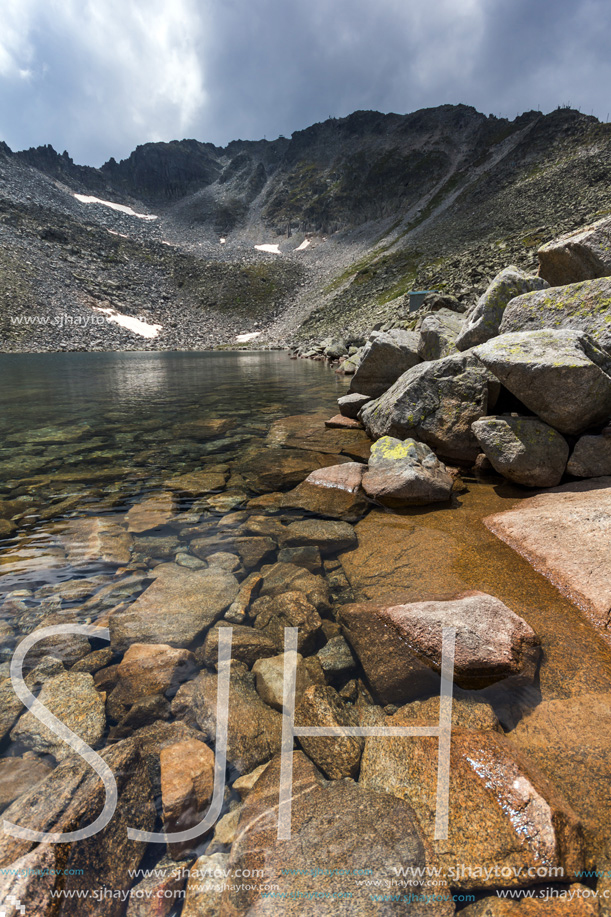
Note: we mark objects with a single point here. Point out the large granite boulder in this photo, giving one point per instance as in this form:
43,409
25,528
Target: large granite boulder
562,376
579,255
504,818
565,534
483,320
523,449
340,832
406,474
399,646
436,403
579,307
350,405
73,796
591,457
179,606
387,355
438,334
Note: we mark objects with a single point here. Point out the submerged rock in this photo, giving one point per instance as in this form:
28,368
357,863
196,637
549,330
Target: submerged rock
73,796
436,403
565,534
18,775
279,579
406,473
562,376
151,513
269,674
578,307
187,782
254,730
504,817
272,469
95,538
73,699
523,449
289,609
247,645
400,646
337,756
569,740
591,457
483,320
339,830
387,355
329,537
579,255
308,431
176,608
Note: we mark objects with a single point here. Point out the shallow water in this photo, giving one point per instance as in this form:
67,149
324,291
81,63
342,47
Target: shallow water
91,435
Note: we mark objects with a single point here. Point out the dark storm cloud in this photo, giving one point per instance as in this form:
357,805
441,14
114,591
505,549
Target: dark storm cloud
99,77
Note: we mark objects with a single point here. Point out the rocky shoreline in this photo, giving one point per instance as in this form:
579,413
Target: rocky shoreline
300,532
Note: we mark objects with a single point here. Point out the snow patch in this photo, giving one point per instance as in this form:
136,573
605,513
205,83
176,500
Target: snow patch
242,338
303,245
273,249
122,234
122,208
144,329
222,241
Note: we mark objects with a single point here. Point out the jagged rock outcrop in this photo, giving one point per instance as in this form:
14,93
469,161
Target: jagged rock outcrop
523,449
579,255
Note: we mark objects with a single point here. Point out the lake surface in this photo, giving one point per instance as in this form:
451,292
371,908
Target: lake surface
86,439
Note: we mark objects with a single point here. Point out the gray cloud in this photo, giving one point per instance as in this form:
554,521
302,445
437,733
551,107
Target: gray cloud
97,77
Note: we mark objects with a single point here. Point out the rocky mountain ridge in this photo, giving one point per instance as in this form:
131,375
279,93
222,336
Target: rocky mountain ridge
352,213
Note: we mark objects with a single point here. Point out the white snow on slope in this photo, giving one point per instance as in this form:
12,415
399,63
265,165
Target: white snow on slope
242,338
303,245
273,249
122,208
144,329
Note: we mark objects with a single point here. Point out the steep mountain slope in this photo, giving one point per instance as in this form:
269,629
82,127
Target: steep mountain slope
354,212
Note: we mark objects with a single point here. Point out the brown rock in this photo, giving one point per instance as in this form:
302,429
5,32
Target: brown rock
336,756
308,431
254,731
564,533
197,483
95,538
70,797
281,578
269,674
73,699
339,422
400,646
275,468
569,740
339,829
150,668
155,895
254,551
151,513
504,818
247,645
176,609
249,590
205,886
291,609
330,537
346,477
18,775
406,473
187,782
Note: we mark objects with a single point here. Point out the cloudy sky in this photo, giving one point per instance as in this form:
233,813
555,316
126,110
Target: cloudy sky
97,77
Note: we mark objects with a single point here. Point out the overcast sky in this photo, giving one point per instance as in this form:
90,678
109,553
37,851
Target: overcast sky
97,77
